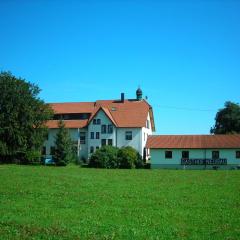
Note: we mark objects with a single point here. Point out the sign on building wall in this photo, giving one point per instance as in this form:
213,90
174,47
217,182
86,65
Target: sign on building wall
200,161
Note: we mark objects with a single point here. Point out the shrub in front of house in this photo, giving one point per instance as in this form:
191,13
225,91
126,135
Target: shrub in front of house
105,157
113,157
127,157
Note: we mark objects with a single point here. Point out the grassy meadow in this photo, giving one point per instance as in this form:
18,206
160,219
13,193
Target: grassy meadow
38,202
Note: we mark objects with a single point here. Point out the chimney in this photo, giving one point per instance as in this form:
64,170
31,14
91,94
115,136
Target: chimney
122,97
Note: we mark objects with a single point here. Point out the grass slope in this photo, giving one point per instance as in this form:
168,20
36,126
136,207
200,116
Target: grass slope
74,203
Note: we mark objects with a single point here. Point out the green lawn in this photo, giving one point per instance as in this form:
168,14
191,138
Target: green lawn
39,202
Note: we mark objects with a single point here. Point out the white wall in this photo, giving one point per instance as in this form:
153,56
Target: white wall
52,136
97,128
136,138
84,147
158,156
145,133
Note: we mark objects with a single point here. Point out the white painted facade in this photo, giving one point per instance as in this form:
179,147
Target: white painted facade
158,159
94,136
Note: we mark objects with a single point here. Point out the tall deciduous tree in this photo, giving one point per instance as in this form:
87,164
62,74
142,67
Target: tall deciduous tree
227,119
63,146
22,117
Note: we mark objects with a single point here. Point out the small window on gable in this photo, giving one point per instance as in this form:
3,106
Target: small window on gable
98,121
94,121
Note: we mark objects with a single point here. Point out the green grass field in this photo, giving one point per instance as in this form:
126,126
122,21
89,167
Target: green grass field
39,202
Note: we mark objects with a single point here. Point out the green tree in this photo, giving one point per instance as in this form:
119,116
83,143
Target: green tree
22,119
227,120
63,146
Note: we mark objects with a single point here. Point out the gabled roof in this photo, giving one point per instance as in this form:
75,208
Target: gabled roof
106,111
193,141
130,113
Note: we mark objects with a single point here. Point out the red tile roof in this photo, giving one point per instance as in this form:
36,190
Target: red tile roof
123,114
74,107
194,141
68,123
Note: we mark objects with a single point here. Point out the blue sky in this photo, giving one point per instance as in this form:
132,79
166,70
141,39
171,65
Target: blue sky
185,55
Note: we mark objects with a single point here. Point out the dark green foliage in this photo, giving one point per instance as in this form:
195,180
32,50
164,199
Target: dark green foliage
127,157
63,146
112,157
105,157
139,163
227,119
22,118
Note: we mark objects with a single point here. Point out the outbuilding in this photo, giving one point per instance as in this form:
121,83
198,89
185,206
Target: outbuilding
194,151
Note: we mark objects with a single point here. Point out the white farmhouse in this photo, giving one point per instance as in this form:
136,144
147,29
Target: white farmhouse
123,122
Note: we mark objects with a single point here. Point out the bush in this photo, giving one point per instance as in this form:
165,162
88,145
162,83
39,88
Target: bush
128,157
33,157
105,157
139,163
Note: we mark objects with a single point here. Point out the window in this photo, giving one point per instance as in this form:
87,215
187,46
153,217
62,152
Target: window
103,142
237,154
110,141
185,154
148,124
104,128
44,151
128,135
97,147
98,121
94,121
97,135
110,128
52,150
82,137
92,135
168,154
91,149
215,154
